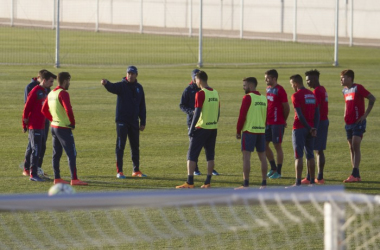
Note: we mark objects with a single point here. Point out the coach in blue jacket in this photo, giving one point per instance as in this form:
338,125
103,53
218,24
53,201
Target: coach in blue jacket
130,118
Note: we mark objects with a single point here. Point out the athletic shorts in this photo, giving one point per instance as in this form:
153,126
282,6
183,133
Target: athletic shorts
251,141
321,140
302,140
274,133
203,138
356,129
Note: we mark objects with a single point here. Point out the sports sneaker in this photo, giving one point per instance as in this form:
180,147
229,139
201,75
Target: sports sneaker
263,187
138,174
185,185
26,172
41,173
241,188
197,172
206,186
120,175
305,181
275,175
214,172
351,178
56,181
78,182
36,178
271,172
319,182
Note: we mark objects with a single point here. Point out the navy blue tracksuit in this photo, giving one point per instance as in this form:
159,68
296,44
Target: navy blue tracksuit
28,151
130,114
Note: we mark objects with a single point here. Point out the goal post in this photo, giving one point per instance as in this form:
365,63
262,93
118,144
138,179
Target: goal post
275,218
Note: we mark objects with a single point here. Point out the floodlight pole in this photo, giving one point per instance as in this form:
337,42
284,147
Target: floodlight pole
141,17
200,63
12,12
97,16
295,22
53,19
352,24
57,38
336,42
241,18
191,19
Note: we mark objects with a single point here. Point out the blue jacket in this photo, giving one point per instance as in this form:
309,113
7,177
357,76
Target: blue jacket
29,88
130,105
188,101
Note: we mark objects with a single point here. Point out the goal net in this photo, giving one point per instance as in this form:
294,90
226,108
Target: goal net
301,218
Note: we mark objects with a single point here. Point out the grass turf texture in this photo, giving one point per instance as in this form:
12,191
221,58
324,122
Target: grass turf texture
164,143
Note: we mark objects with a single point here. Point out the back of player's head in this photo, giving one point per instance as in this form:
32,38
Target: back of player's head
312,72
251,80
63,76
272,73
297,79
193,73
348,72
46,75
201,75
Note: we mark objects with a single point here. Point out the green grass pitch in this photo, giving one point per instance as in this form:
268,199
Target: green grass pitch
164,143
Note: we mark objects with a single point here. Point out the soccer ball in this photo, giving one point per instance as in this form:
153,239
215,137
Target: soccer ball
60,188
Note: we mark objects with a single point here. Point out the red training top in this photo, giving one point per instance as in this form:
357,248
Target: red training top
355,106
322,99
275,112
32,108
305,100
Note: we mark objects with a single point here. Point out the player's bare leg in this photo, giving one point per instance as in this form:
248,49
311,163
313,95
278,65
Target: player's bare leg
299,168
264,168
247,164
311,169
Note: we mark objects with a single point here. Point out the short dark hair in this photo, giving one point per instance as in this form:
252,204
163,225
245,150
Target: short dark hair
272,73
312,72
251,79
41,72
62,76
202,76
349,73
297,78
46,75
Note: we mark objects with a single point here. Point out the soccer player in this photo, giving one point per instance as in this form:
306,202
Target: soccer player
34,121
187,106
355,117
203,130
252,118
306,118
312,80
59,111
277,114
130,107
35,81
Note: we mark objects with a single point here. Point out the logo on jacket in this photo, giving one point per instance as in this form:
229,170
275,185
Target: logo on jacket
138,90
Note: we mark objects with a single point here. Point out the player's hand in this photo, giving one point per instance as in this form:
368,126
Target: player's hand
142,128
24,130
72,126
191,133
104,81
238,136
361,119
26,120
313,132
286,125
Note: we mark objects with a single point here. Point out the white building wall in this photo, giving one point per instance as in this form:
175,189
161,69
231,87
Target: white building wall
315,17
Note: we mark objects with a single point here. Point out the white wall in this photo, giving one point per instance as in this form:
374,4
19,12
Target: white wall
315,17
